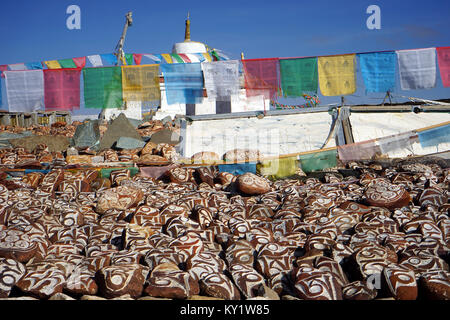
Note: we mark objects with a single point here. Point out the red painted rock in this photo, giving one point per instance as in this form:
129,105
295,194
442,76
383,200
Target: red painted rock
148,148
435,285
181,175
219,286
11,271
246,279
358,290
381,193
172,284
205,157
204,263
42,280
401,282
240,252
51,181
116,281
242,155
33,179
17,245
251,184
432,197
81,282
225,178
120,198
119,175
206,174
311,284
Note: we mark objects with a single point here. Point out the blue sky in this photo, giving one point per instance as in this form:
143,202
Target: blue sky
36,30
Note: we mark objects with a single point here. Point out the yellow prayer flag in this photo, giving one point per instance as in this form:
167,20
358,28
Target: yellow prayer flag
141,83
53,64
337,75
167,57
207,56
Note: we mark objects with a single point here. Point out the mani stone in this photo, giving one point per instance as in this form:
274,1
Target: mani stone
86,134
118,280
11,271
251,184
120,198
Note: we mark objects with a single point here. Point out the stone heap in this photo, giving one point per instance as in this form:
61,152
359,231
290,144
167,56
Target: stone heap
381,233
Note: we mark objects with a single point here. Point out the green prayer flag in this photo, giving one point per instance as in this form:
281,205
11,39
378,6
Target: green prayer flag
103,87
318,161
129,58
298,76
67,63
176,58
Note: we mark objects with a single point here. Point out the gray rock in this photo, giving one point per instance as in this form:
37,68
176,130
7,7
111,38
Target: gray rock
129,143
165,136
119,127
87,134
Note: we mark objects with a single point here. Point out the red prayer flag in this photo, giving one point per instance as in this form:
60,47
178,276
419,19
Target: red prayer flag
137,58
3,68
62,89
262,77
443,54
80,62
185,58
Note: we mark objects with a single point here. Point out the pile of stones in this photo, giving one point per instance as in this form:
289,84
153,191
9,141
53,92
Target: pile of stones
198,233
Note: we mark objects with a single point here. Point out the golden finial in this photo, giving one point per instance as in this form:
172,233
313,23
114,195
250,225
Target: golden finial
187,33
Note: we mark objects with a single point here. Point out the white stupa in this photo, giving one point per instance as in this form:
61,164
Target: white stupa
189,46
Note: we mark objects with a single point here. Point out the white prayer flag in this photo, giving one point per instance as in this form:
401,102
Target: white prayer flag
417,68
17,66
95,60
221,79
25,90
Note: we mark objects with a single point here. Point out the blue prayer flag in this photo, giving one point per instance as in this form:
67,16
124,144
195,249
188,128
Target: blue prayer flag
378,71
109,59
238,168
34,65
434,136
183,82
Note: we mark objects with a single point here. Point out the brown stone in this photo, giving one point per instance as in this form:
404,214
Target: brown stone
120,198
251,184
384,194
208,157
11,272
220,286
173,284
401,282
116,281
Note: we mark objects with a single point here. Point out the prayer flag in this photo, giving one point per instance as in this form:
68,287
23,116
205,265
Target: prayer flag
435,136
153,57
53,64
183,82
137,58
95,60
141,83
261,77
221,79
167,57
176,58
3,68
365,150
378,71
103,87
34,66
17,67
298,76
337,75
62,89
109,59
129,59
25,90
80,62
67,64
443,54
417,68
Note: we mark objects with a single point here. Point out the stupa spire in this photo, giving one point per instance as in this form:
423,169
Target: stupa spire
187,32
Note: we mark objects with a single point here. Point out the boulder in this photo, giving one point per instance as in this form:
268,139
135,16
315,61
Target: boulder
120,198
116,281
119,127
251,184
11,271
